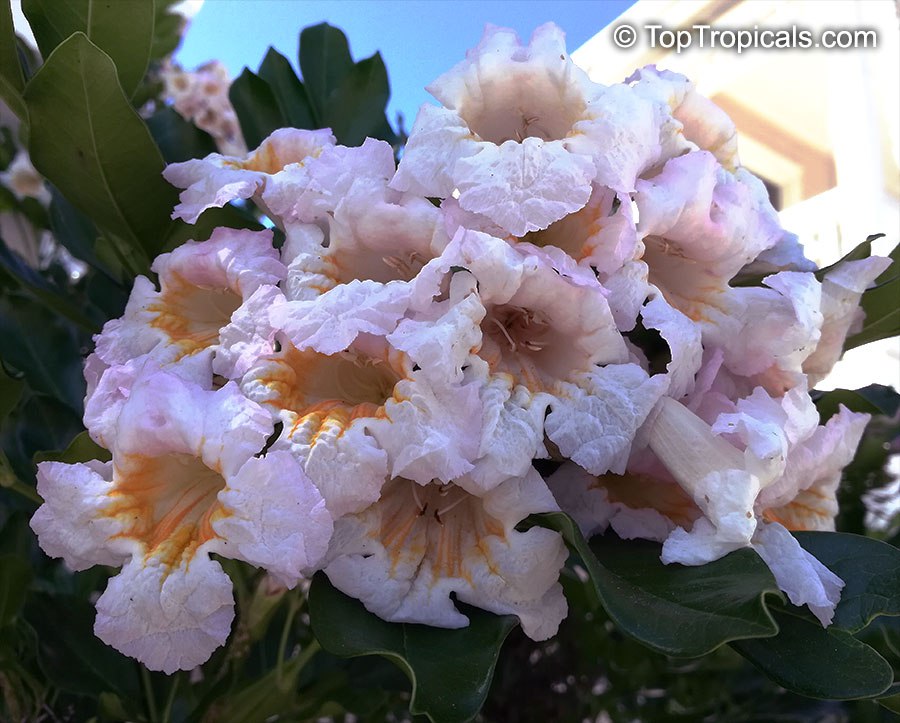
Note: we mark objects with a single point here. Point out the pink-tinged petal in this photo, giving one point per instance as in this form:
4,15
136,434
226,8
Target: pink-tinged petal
315,190
70,524
620,134
512,432
438,139
249,335
523,132
168,619
103,404
165,414
274,518
430,432
841,292
699,123
769,428
786,255
593,420
634,505
683,338
236,259
331,322
216,180
441,340
201,285
805,580
805,497
767,332
407,553
524,186
714,473
701,225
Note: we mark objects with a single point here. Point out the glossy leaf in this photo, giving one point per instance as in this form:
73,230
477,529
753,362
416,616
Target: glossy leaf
98,153
324,63
17,273
167,28
77,233
818,662
10,69
177,139
356,109
15,574
289,92
122,29
873,399
50,360
70,655
870,570
10,393
81,449
860,251
881,305
13,99
450,670
257,110
673,609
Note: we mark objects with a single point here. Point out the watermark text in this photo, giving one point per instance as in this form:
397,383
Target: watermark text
740,40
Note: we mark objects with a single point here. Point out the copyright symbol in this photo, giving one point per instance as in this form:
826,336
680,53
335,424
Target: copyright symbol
624,36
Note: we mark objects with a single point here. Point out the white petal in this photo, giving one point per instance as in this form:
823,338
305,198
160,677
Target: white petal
524,186
841,292
805,580
403,564
168,619
594,419
331,322
71,523
275,518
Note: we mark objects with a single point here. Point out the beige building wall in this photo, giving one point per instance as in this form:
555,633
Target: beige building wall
820,126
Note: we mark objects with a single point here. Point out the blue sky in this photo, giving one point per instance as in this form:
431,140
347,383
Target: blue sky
418,39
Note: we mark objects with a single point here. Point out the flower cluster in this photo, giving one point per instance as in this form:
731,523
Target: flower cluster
201,97
555,270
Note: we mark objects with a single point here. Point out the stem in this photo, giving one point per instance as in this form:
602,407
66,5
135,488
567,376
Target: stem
285,631
148,694
170,700
22,489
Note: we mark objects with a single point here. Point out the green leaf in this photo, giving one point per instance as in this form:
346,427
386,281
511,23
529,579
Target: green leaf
81,449
873,399
10,393
75,231
356,109
870,570
450,670
673,609
122,29
167,28
257,110
289,92
177,139
818,662
44,348
98,153
881,305
15,574
10,70
13,99
70,655
18,274
324,63
860,251
892,703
